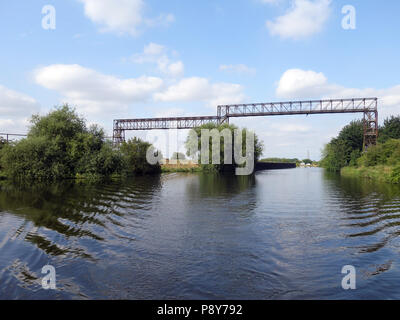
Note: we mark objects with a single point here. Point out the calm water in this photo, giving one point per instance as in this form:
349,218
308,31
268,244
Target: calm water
282,234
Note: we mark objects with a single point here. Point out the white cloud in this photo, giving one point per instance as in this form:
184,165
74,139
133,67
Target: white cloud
303,19
237,68
173,69
95,92
200,89
153,49
303,84
163,20
15,110
157,54
297,83
122,16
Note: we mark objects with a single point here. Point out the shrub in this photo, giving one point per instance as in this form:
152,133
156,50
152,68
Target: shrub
345,149
134,159
60,146
395,176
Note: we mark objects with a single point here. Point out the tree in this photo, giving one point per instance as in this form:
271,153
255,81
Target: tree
60,146
134,158
346,148
390,129
178,156
196,145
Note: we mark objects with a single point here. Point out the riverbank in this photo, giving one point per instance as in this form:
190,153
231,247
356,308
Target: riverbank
180,167
191,167
383,173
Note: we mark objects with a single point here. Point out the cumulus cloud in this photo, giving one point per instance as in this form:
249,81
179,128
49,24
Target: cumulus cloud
297,83
158,54
308,84
122,16
93,91
303,19
15,110
200,89
237,68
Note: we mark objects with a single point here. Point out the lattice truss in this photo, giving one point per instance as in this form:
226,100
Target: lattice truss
368,106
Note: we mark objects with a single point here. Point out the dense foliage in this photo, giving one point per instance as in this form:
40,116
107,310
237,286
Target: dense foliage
382,159
387,153
134,160
345,149
390,129
258,147
60,146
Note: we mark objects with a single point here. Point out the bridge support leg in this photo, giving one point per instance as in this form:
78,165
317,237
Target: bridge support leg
370,128
118,134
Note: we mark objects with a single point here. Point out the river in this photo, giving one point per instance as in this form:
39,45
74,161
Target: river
283,234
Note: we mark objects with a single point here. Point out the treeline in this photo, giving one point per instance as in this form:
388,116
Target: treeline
346,150
61,146
280,160
294,160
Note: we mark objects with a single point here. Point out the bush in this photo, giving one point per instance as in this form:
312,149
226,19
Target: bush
390,129
35,158
134,158
345,149
395,176
387,153
60,146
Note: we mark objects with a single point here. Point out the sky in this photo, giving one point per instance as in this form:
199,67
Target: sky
117,59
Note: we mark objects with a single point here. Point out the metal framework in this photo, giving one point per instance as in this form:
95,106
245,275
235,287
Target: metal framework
367,106
8,135
120,126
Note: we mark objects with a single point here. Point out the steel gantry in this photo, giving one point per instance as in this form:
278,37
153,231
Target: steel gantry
120,126
367,106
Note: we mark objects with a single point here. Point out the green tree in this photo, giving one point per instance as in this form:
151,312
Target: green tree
390,129
60,146
346,148
134,158
258,146
178,156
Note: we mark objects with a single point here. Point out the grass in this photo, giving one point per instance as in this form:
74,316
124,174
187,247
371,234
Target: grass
382,173
180,167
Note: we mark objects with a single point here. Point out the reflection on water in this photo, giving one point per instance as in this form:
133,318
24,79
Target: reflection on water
276,235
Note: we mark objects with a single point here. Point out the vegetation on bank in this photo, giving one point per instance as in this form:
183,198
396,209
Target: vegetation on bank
180,168
258,147
61,146
381,162
298,162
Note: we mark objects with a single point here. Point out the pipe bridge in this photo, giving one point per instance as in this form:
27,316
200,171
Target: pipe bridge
367,106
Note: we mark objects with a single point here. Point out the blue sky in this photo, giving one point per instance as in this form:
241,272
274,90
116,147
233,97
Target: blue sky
144,58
